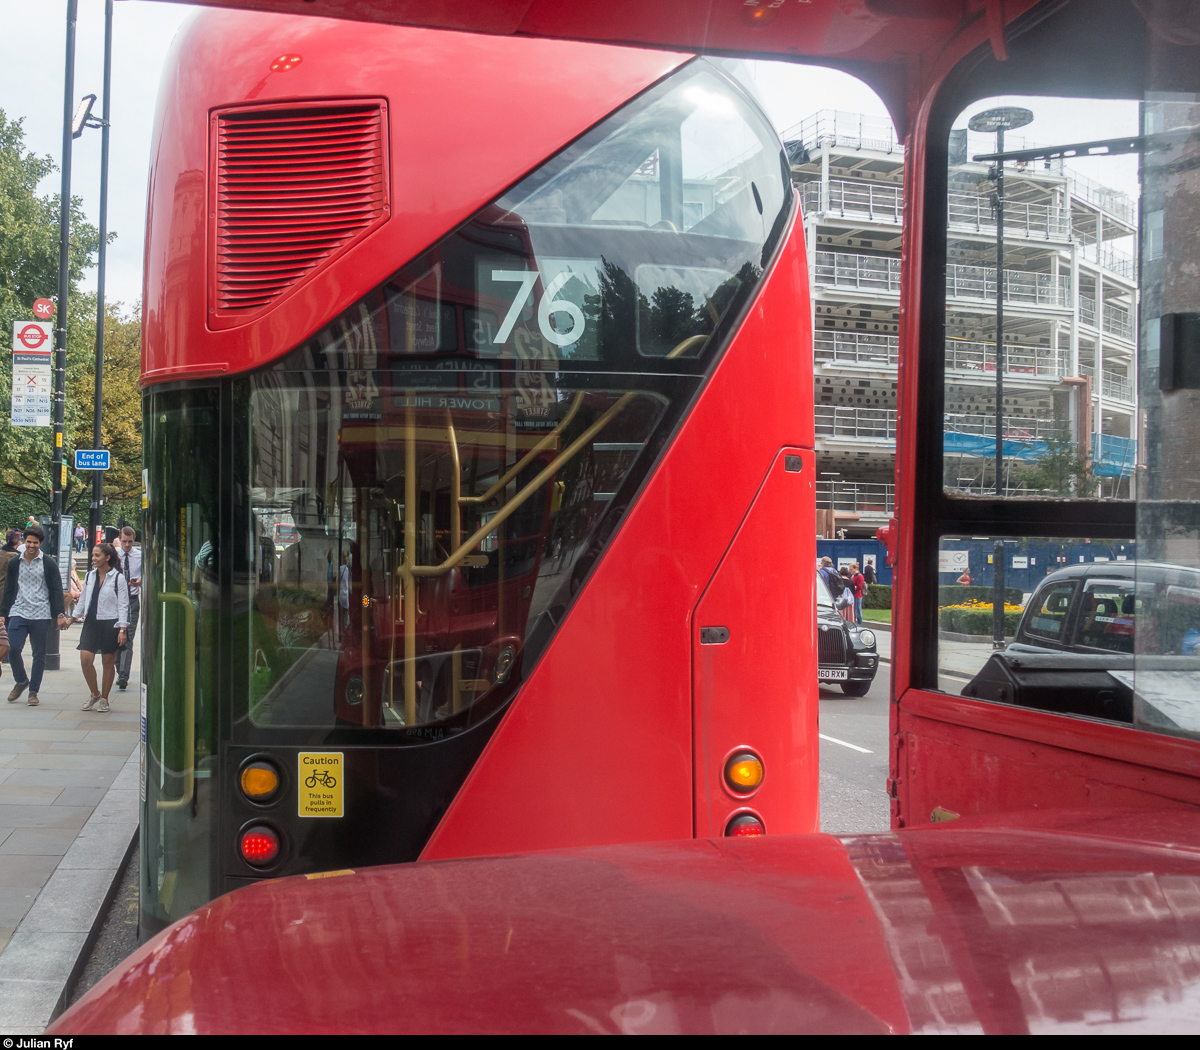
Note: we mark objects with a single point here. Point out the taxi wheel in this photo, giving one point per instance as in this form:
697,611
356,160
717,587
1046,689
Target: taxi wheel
855,688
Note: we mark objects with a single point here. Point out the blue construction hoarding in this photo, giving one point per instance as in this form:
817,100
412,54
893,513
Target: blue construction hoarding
844,551
1026,562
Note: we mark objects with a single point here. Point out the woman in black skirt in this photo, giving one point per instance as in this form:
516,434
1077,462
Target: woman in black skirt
105,605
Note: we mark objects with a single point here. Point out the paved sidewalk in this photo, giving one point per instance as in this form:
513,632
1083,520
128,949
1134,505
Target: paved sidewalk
56,764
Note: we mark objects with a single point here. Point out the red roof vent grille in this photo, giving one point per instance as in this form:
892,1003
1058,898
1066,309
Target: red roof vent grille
293,186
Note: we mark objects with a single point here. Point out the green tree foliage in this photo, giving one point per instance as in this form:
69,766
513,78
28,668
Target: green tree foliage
1063,469
663,320
29,271
121,425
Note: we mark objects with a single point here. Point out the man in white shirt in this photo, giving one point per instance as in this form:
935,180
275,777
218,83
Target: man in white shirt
32,597
131,569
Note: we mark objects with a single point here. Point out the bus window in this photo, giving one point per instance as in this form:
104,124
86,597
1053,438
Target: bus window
1039,397
1167,676
182,605
1052,341
1107,615
434,473
1056,594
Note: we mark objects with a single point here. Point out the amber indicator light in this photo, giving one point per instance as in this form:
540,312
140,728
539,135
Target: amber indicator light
745,825
259,845
260,781
743,772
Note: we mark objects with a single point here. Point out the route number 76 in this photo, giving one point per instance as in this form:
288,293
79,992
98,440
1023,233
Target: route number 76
549,305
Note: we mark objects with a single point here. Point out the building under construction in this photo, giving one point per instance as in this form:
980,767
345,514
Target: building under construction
1070,308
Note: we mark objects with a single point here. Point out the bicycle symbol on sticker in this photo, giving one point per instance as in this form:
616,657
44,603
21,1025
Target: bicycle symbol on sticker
319,784
322,777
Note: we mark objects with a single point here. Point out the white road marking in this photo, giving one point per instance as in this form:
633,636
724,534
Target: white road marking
852,747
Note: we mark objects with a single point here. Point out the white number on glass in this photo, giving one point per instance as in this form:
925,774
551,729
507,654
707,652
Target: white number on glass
549,305
526,279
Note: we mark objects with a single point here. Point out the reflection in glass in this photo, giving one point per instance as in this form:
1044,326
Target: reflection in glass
410,560
1167,665
435,472
1069,295
181,603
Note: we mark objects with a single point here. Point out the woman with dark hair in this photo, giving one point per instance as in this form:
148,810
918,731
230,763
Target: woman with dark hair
105,601
845,604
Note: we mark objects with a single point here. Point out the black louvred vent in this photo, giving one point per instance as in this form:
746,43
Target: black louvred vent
293,185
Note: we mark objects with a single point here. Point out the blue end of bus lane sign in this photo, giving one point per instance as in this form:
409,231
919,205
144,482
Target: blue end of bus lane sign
91,459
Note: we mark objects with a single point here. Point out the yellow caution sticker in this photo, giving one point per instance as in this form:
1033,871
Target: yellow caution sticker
319,777
330,874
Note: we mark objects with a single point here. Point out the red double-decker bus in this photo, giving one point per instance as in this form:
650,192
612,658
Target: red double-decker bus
469,426
1041,870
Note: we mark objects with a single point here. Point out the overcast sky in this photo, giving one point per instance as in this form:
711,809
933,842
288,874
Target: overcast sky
31,86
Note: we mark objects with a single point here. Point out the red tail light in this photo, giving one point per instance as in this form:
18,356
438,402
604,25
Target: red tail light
745,825
259,845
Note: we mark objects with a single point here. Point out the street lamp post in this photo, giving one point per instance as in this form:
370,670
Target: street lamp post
57,468
98,407
999,120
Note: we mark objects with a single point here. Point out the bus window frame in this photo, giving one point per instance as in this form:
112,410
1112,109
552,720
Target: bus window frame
1085,747
928,511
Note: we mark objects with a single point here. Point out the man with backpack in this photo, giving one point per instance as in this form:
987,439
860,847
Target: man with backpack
833,582
32,602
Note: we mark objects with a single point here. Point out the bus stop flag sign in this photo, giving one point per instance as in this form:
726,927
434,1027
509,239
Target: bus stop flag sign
92,459
33,352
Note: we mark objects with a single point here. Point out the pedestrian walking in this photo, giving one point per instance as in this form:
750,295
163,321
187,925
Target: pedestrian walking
869,573
32,603
858,584
131,569
845,602
344,592
74,590
831,578
105,602
80,533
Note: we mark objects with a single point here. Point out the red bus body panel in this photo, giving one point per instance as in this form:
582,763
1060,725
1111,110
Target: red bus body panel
580,756
453,101
949,929
763,592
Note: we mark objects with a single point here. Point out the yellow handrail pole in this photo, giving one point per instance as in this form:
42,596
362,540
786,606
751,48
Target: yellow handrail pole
364,554
410,557
523,462
686,345
189,699
394,577
455,541
512,505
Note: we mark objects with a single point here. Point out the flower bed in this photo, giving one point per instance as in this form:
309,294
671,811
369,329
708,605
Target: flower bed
975,617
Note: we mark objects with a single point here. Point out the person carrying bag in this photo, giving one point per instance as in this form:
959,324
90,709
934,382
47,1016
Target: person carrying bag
105,601
845,601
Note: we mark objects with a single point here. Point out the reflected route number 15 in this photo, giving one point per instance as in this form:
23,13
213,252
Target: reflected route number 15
549,305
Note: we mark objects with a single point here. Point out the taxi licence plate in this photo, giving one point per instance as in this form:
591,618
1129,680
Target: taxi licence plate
832,674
